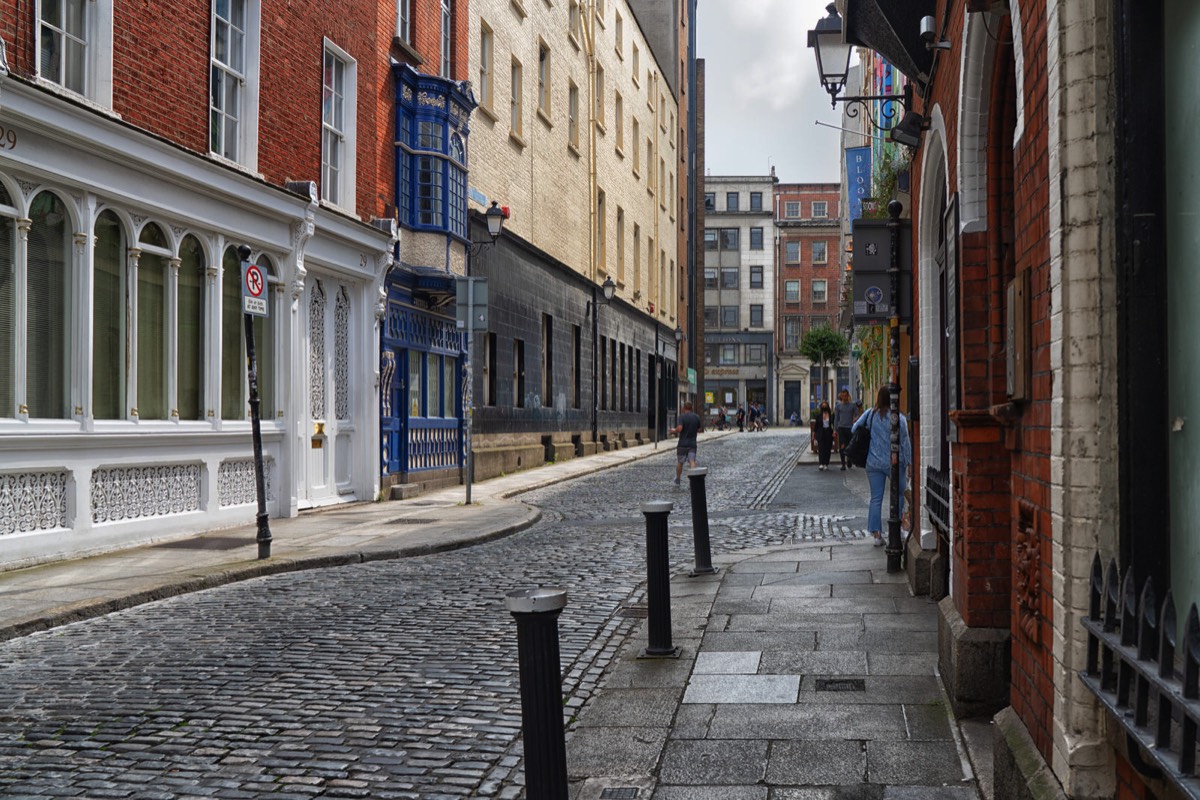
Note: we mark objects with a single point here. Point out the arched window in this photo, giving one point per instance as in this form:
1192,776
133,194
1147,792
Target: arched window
152,306
233,360
264,351
189,347
8,305
48,309
108,319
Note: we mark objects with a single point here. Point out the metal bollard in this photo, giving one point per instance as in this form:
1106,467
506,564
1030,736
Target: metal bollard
700,523
536,612
658,582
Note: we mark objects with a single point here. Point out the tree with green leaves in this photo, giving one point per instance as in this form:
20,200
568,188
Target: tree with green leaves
822,345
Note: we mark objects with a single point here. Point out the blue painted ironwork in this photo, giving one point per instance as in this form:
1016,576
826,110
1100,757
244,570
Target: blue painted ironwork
413,443
1131,668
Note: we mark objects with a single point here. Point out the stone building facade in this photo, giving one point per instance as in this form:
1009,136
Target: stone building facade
576,135
739,292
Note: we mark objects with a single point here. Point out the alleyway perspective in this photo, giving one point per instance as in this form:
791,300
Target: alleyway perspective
388,669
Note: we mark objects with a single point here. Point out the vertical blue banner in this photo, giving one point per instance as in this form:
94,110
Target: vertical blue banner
858,178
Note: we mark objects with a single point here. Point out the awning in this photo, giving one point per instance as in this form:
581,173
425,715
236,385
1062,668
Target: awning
892,28
435,286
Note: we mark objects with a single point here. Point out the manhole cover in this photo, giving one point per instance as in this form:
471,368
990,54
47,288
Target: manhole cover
841,685
619,793
411,521
637,612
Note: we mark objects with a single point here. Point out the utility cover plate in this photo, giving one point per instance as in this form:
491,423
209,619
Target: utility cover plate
841,685
619,793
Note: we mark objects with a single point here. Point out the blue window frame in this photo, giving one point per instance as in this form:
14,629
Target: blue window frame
431,151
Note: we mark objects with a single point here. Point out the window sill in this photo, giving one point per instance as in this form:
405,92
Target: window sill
600,127
407,49
519,7
574,40
545,118
620,52
620,152
487,112
637,173
573,150
516,139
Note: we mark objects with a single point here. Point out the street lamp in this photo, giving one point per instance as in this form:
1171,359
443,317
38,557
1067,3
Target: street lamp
494,217
607,290
833,67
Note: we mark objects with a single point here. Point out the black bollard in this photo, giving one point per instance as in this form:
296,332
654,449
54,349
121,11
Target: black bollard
658,582
536,612
700,523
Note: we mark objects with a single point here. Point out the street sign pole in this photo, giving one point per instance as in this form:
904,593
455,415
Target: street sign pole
251,290
468,390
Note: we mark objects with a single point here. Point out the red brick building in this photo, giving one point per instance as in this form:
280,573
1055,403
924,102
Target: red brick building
808,288
1052,228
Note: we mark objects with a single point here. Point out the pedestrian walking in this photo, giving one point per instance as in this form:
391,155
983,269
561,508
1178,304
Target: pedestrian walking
741,419
823,433
879,458
844,414
752,415
689,426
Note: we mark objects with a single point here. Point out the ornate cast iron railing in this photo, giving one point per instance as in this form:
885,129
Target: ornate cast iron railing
1131,668
937,497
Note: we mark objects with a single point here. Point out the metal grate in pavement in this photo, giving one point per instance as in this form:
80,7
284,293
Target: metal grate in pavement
637,612
411,521
841,685
619,793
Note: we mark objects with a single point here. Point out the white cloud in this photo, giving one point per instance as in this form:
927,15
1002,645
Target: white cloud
762,91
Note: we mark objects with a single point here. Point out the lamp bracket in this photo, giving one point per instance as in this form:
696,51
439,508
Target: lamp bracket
889,112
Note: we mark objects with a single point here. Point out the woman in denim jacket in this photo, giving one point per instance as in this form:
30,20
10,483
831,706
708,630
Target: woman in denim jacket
879,458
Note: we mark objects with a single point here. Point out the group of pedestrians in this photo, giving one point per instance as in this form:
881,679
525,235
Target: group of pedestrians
830,426
836,426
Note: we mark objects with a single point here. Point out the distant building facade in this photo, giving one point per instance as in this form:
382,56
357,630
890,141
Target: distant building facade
808,290
739,291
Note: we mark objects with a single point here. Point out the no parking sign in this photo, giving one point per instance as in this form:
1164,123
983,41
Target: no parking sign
254,289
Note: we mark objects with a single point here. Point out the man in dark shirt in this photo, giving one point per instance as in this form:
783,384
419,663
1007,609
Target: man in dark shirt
689,425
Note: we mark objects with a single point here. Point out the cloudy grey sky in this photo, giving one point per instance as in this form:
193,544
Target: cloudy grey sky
762,93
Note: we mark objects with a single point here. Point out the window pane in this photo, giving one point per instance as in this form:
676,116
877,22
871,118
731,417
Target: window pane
792,291
729,238
151,337
729,278
48,309
449,385
731,201
729,316
756,201
819,253
233,359
108,319
710,278
756,277
8,314
756,316
792,252
711,316
414,384
189,348
433,374
756,238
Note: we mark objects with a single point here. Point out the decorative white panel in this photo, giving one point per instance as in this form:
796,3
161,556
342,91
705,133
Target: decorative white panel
136,492
235,482
316,351
341,354
32,501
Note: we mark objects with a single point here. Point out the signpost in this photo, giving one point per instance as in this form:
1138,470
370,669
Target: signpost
254,304
471,314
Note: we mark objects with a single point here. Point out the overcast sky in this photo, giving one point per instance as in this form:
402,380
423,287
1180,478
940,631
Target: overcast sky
762,95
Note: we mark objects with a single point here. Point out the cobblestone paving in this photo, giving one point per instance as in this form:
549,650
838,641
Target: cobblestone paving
386,680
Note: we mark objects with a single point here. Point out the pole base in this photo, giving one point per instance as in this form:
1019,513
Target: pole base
695,573
674,652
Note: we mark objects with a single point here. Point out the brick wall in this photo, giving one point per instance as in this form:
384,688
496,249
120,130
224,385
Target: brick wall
161,80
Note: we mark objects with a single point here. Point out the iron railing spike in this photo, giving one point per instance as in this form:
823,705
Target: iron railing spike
1128,610
1167,637
1191,654
1096,588
1147,627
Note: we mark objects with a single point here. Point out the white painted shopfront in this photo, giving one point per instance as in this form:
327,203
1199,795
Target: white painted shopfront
123,391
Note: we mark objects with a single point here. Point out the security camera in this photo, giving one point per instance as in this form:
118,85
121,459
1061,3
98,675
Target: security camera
928,33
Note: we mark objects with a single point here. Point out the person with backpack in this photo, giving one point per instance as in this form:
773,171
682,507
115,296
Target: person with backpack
879,458
843,420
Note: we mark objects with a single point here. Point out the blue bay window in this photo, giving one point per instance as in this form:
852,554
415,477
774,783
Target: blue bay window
431,151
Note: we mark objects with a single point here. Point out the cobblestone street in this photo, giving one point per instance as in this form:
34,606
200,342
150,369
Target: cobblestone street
393,679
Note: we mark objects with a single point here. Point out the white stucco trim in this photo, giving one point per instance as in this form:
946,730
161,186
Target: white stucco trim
974,103
1019,58
1083,346
933,189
